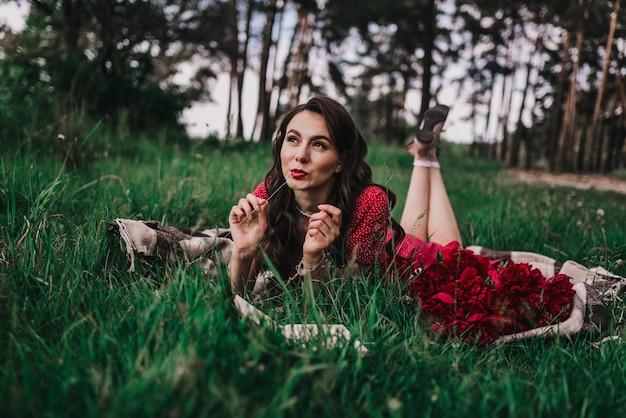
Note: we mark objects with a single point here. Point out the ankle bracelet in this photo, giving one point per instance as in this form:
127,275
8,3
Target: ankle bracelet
426,163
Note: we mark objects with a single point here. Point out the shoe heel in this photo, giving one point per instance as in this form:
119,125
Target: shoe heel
432,117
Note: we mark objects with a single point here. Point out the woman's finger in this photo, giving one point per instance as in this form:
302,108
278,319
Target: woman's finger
332,211
247,207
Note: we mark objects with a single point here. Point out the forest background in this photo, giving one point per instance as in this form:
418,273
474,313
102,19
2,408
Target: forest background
543,81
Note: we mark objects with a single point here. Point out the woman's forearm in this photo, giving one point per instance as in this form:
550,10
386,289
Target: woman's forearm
239,270
314,266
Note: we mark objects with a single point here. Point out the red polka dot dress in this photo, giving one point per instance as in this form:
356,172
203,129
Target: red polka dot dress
370,233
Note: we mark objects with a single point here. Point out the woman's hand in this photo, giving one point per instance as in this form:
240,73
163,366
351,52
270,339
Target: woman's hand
248,223
324,228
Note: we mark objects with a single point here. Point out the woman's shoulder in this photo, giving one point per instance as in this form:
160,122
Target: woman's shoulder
373,199
372,193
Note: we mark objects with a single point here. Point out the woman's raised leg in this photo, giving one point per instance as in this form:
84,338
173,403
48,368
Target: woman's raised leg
442,224
428,213
415,215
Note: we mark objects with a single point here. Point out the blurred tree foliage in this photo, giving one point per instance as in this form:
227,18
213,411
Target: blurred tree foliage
537,69
81,61
544,81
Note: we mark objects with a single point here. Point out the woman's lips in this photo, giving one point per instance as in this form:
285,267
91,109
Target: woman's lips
298,174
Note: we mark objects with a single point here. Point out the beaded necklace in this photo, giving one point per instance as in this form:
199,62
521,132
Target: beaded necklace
303,213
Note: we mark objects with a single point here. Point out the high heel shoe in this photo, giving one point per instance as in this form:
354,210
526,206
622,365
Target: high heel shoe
432,117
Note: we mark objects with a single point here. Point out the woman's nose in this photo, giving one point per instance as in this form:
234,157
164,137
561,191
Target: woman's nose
302,154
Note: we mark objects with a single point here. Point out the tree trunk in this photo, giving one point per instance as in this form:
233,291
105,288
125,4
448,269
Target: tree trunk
554,141
600,149
579,158
531,153
263,105
592,133
491,140
233,49
302,58
273,103
283,80
67,63
508,87
566,140
485,135
619,150
242,64
429,45
503,119
298,63
520,128
568,132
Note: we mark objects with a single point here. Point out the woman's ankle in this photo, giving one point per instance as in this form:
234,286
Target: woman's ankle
417,162
427,155
422,151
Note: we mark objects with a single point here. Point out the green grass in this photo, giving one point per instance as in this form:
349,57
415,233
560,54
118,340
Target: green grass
80,336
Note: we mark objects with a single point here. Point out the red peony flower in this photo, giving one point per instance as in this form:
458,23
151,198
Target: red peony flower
557,297
464,295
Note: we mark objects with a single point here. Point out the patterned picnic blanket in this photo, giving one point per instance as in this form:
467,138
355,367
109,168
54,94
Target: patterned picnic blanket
147,241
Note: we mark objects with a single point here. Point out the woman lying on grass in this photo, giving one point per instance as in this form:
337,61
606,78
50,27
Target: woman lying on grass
332,219
331,213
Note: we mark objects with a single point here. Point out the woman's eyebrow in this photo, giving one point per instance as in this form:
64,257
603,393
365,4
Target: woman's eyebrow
295,132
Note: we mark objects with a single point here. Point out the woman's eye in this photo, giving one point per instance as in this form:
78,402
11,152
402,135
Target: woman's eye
291,138
319,144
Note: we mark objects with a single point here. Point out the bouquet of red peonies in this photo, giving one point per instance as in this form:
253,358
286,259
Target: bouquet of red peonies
468,296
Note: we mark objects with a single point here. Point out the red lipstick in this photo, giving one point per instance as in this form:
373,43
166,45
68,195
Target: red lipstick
298,174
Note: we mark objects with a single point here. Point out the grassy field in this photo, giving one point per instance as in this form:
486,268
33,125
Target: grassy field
80,336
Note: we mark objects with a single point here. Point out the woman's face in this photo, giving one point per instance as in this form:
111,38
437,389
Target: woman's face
308,157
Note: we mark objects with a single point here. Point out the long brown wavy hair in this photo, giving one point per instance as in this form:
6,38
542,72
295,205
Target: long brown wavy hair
282,244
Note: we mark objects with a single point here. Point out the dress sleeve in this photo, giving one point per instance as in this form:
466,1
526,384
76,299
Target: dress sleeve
368,230
260,191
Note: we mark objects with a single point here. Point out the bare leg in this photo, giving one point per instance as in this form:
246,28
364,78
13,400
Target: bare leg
428,213
442,224
415,215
